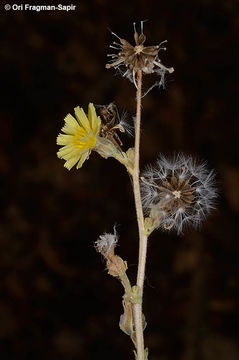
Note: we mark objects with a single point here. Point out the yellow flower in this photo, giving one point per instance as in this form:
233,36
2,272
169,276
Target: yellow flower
80,136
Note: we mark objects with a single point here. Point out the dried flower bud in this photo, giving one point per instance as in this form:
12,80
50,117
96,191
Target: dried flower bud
178,192
137,57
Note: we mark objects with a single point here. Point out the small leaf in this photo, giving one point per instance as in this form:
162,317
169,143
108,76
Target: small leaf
126,319
136,298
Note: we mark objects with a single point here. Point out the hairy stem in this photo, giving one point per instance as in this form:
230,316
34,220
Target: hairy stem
140,218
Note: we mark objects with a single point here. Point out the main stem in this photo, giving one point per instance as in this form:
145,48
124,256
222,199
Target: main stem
140,218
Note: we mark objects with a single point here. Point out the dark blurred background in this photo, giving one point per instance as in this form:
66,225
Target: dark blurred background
56,299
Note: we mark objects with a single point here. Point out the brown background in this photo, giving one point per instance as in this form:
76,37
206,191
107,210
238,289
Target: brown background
56,300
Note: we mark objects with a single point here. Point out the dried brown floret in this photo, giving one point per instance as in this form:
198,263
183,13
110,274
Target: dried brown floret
110,123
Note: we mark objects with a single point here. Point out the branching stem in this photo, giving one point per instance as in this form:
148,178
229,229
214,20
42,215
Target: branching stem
141,228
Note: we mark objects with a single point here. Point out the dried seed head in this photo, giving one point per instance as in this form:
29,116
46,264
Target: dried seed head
137,57
178,191
106,243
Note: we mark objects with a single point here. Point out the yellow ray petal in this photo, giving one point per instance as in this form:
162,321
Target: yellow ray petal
82,118
63,139
71,162
71,123
64,150
69,130
95,121
82,159
72,154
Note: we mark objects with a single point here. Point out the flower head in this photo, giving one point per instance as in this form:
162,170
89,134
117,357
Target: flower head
79,138
84,134
137,57
177,192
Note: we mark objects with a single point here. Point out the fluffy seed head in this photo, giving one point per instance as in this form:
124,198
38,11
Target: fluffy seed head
178,192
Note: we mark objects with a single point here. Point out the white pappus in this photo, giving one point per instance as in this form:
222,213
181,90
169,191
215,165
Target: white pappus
178,191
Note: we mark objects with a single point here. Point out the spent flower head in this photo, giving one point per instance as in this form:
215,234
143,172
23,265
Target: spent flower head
106,243
137,57
178,191
111,123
